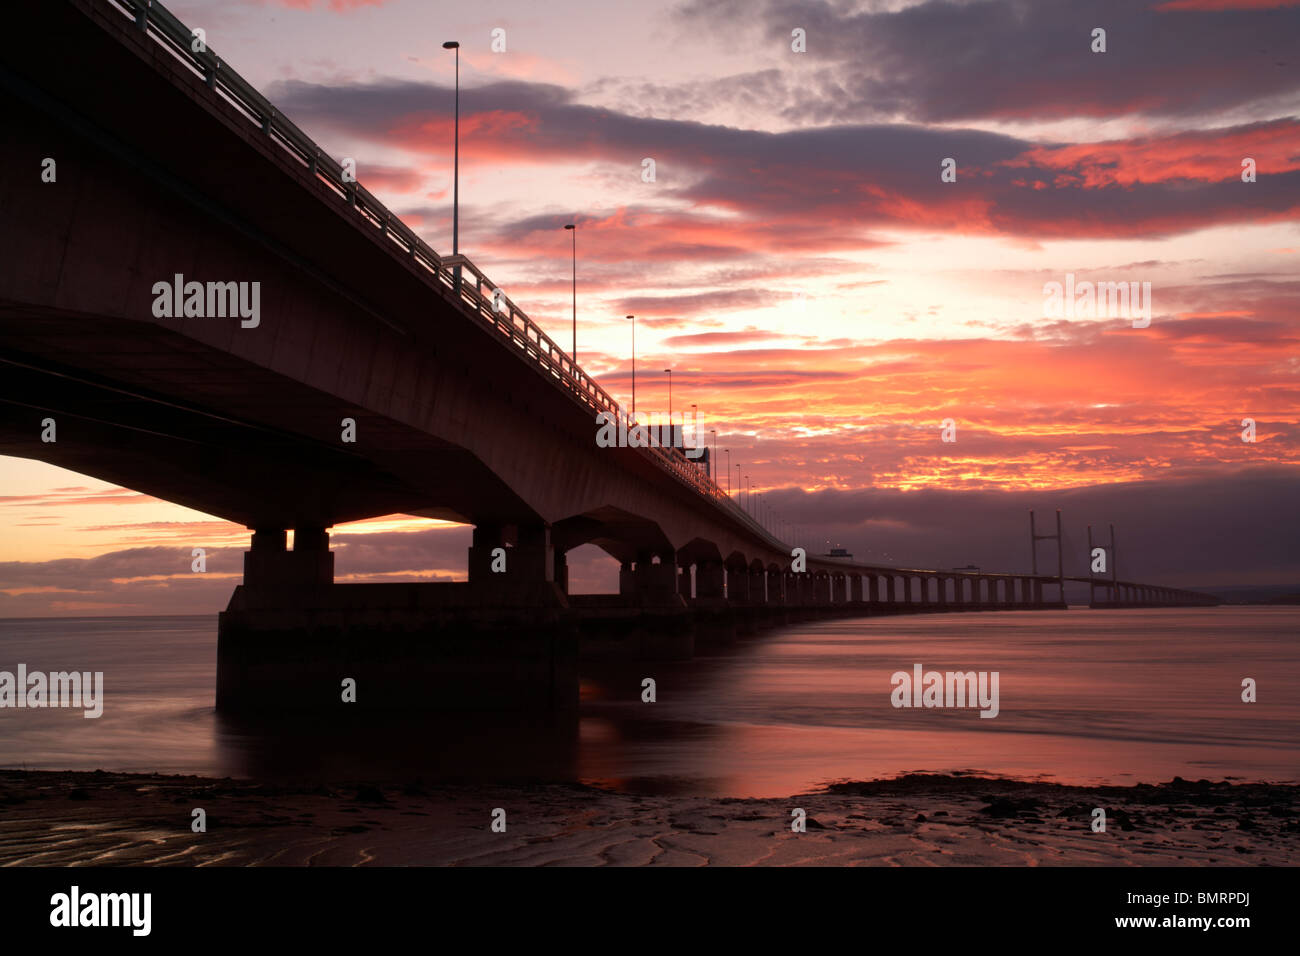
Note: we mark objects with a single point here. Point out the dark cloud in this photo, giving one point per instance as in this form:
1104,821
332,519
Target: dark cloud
946,61
814,191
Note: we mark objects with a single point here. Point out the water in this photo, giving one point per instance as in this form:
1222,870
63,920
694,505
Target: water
1085,697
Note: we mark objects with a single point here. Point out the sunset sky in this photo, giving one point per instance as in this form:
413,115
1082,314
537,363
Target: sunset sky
821,295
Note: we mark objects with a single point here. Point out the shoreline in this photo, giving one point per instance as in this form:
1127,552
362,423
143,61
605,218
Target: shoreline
61,818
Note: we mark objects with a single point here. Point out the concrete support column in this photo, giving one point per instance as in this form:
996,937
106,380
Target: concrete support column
561,576
265,559
626,579
738,584
941,586
758,586
855,588
873,588
708,579
523,574
822,588
839,589
656,583
907,589
889,589
271,570
312,558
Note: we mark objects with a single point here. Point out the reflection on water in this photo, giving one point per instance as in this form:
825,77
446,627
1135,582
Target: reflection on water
1104,696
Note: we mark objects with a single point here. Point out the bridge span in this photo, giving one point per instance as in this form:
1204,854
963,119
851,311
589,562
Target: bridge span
171,169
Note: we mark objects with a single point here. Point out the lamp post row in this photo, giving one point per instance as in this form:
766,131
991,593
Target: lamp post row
571,227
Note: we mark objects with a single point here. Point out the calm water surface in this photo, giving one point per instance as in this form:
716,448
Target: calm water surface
1085,696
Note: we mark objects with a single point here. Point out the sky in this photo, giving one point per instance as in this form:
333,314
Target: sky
822,295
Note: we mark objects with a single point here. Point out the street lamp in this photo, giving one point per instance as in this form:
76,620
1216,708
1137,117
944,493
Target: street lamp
727,452
455,193
633,318
713,458
574,228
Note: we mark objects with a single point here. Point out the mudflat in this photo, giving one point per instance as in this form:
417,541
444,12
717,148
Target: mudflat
106,819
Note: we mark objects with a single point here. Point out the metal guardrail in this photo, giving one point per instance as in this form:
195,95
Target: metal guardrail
159,24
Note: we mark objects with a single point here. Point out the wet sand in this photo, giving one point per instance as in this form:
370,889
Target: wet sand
107,819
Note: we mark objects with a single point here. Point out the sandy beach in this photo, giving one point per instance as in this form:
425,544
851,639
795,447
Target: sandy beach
67,818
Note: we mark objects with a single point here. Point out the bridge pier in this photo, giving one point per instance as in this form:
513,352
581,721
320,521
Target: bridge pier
275,575
775,586
525,574
709,581
738,584
291,640
651,582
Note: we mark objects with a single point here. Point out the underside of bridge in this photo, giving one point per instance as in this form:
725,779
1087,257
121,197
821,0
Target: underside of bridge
363,386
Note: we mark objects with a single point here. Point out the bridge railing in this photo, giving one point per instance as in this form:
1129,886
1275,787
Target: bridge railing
480,298
492,306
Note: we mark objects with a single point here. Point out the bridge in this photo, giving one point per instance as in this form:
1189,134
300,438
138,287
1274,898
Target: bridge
170,169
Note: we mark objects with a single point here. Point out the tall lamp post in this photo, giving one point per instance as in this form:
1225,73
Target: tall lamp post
455,179
727,452
573,227
633,318
713,457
